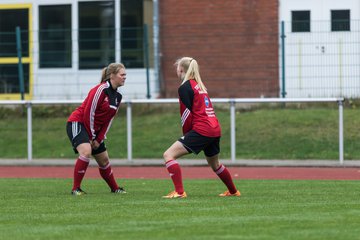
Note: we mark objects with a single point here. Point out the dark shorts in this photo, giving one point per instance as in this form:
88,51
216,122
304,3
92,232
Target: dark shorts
78,135
195,143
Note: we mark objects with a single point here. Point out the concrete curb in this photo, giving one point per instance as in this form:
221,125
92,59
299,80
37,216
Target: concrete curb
187,162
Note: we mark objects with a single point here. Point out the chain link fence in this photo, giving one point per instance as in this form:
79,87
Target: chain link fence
321,62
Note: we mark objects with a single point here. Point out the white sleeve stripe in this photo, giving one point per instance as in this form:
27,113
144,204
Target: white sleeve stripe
107,129
93,107
184,116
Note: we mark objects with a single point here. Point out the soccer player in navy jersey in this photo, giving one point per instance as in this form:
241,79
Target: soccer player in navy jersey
88,124
200,127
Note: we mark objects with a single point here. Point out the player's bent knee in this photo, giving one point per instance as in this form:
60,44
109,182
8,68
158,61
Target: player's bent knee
102,164
87,152
167,157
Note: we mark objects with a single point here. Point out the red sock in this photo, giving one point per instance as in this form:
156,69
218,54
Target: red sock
174,170
107,174
81,165
225,176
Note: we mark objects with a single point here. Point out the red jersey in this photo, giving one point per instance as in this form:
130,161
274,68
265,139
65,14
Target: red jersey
98,110
196,110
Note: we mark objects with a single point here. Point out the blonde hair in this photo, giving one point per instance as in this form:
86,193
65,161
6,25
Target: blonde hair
112,68
191,69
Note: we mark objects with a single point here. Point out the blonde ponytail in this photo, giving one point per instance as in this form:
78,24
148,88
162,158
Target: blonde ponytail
112,68
192,71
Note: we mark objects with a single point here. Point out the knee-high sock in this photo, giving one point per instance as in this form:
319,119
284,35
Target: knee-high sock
81,165
225,176
174,170
107,174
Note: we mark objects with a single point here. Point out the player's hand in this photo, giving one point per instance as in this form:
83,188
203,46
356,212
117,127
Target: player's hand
94,144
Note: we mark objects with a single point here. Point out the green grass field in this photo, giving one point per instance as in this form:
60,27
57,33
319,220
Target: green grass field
268,209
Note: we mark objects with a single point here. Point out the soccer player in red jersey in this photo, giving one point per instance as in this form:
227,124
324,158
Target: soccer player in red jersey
200,127
88,124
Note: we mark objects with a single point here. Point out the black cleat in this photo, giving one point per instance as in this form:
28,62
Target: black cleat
78,192
120,190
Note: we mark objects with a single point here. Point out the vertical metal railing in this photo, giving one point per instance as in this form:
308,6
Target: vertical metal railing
341,132
146,61
232,131
20,66
283,36
29,130
129,130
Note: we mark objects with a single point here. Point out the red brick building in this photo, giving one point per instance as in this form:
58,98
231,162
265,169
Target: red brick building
234,41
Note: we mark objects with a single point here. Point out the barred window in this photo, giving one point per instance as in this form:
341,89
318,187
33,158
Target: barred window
9,20
9,74
132,37
96,34
300,21
340,20
9,78
55,36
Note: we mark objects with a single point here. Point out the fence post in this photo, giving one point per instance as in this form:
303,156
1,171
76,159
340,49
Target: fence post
341,132
29,130
129,130
146,60
283,36
232,131
20,66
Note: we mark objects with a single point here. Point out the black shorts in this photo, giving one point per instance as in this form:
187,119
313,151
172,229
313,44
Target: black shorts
78,135
195,142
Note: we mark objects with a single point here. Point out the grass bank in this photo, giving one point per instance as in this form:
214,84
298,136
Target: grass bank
292,132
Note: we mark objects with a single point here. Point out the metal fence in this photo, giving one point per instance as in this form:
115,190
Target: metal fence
231,102
316,64
320,60
62,60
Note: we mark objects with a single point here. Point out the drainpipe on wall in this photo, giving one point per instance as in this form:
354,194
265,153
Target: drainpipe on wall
283,36
20,66
156,44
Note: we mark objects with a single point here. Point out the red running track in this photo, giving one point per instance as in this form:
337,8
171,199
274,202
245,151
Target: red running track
311,173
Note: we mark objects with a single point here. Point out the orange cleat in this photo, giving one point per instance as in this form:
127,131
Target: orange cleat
228,194
174,194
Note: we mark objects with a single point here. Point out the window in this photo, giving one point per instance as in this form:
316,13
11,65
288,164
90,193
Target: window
340,20
132,33
96,34
9,20
55,36
300,21
9,78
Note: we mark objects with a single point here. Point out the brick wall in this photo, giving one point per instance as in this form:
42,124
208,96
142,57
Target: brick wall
234,41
